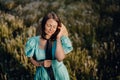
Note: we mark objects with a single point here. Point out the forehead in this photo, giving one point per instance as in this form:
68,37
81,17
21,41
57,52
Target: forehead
51,21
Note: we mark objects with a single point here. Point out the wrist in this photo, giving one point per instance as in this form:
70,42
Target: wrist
41,63
59,36
58,40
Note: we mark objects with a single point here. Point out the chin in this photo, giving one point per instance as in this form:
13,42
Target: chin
49,34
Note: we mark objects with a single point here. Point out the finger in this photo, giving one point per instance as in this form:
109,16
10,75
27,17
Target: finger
59,27
48,60
37,64
47,63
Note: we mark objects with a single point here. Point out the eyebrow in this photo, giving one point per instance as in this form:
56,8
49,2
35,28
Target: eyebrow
51,25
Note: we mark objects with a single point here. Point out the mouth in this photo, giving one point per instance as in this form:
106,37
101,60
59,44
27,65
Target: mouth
50,32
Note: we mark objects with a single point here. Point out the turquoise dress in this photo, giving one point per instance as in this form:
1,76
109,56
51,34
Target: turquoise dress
59,69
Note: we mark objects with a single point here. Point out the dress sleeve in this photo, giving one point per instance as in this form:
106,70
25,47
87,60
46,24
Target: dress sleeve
30,47
66,44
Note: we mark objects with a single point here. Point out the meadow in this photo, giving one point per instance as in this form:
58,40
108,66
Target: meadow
93,26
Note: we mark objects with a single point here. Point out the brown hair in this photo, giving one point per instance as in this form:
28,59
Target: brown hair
50,15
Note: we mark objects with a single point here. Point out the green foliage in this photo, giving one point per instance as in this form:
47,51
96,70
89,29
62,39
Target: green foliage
94,29
81,65
12,47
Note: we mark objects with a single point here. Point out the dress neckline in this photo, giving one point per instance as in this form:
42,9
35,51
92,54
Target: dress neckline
39,44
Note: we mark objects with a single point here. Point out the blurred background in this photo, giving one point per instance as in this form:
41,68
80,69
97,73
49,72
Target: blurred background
94,29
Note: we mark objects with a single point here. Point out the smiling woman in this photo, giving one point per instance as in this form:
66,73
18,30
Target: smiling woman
48,50
50,27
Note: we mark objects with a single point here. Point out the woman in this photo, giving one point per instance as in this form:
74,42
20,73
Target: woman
48,50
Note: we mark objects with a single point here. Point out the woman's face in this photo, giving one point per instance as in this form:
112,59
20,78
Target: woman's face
50,27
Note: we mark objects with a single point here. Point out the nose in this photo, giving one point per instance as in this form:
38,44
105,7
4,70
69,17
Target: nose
51,28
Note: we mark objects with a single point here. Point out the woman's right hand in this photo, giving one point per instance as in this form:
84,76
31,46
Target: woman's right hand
45,63
36,63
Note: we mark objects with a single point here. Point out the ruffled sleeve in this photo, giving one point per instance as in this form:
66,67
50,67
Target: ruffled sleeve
30,47
66,44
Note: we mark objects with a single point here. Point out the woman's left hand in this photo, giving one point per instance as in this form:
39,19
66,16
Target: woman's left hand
63,31
60,33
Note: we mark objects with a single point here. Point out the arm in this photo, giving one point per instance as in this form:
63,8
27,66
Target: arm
29,51
60,54
45,63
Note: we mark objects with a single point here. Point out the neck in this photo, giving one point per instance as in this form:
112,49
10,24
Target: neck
47,37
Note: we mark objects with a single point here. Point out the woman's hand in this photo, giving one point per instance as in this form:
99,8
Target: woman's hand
47,63
36,63
63,31
60,33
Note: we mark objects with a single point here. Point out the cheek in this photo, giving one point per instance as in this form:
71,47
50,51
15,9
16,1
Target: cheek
55,30
46,29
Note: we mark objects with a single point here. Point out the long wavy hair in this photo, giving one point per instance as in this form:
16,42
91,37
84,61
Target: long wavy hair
50,15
